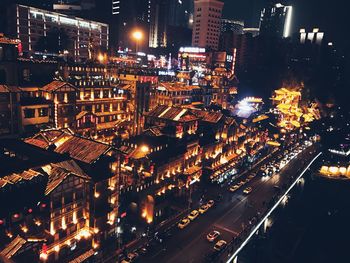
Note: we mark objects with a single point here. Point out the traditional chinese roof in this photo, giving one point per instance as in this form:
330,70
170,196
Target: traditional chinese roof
81,114
176,86
56,84
172,113
14,178
45,138
82,149
57,173
108,125
12,248
78,148
153,131
208,116
83,256
6,89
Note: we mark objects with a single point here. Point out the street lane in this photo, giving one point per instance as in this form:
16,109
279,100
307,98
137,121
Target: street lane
228,217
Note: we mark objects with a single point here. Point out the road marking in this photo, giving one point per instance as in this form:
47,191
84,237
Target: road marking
226,229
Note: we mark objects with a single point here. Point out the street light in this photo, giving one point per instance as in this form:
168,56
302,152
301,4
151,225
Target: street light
137,35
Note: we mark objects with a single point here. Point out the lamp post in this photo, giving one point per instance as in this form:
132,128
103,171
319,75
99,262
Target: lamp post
137,35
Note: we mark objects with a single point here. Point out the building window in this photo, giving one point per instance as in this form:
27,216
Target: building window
43,112
29,113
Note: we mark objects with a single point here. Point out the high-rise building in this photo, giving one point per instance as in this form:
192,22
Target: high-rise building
158,23
276,21
81,36
314,37
73,7
180,12
126,16
206,23
234,26
229,28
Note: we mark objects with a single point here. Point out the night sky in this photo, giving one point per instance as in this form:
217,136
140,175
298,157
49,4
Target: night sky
332,17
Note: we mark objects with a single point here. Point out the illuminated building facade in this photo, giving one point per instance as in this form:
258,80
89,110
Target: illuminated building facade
292,115
29,24
276,21
101,163
51,216
206,23
139,87
223,87
177,93
63,96
192,58
9,104
314,37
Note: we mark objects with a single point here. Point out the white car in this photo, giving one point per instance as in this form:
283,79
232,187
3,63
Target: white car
210,203
193,215
213,235
220,245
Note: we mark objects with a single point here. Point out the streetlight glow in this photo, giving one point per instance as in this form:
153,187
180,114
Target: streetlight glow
137,35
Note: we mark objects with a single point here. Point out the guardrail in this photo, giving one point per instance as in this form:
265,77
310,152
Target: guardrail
256,228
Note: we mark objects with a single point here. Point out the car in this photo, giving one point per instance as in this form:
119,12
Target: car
241,183
183,223
143,250
193,215
132,256
234,187
251,176
213,235
220,245
210,203
203,208
248,190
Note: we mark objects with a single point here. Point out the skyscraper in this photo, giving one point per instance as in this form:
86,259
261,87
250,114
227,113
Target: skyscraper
234,26
206,23
276,21
158,23
229,28
127,15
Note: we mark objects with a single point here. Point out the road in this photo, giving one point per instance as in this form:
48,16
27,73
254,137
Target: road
228,217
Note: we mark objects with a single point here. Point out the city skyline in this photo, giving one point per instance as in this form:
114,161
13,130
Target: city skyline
173,131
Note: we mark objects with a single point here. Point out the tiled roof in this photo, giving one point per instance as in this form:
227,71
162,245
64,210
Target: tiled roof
177,86
5,89
172,113
208,116
78,148
60,171
14,178
81,114
56,84
12,248
82,149
46,138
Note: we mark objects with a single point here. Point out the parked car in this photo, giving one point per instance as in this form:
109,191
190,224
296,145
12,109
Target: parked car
213,235
234,188
203,208
248,190
210,203
220,245
193,215
183,223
